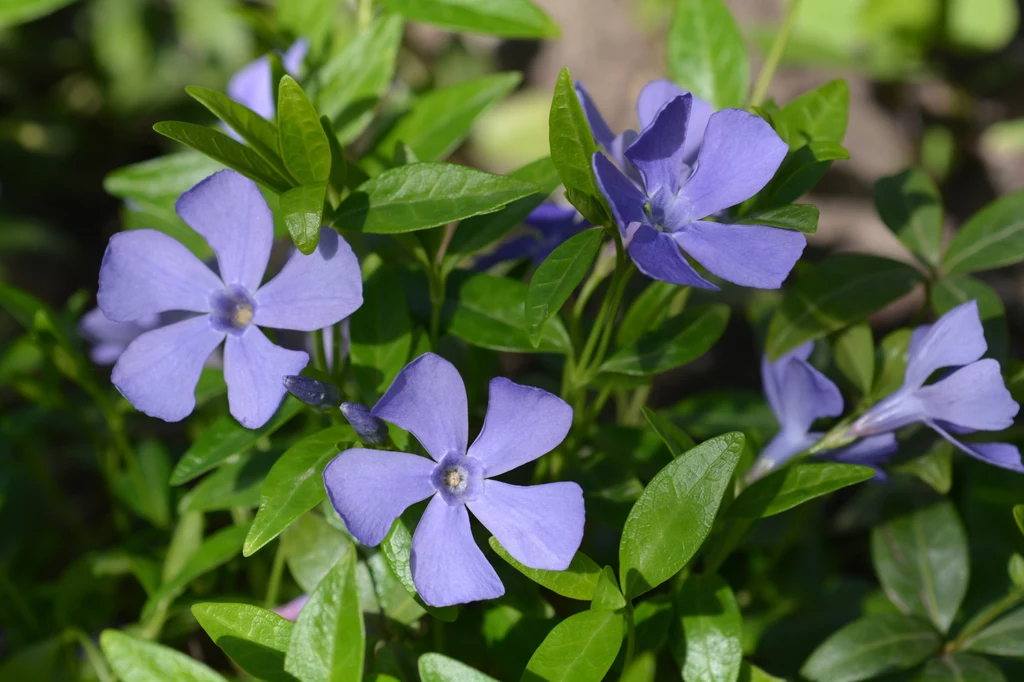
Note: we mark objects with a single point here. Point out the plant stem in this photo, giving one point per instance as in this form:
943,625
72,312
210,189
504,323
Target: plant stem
630,636
983,619
435,286
319,356
764,79
276,572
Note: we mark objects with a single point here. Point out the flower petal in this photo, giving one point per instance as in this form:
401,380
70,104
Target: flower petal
447,566
253,370
624,198
145,272
973,397
806,394
110,338
250,87
291,610
1002,455
159,370
786,444
312,292
231,214
428,399
870,451
773,373
956,339
739,155
522,423
293,57
657,94
748,255
598,128
541,526
892,412
657,152
371,488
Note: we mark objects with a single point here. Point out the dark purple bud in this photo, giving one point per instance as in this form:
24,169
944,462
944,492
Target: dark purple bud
319,394
372,430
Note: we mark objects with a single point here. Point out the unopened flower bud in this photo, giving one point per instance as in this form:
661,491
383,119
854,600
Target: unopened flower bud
319,394
372,430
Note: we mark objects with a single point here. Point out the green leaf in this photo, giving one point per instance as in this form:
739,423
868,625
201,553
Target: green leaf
655,304
795,485
934,467
799,173
294,485
304,147
607,596
397,547
381,331
440,120
871,646
135,660
710,625
909,204
673,516
423,195
328,640
1018,516
225,150
185,541
798,217
506,18
992,238
891,361
312,547
841,290
355,78
254,638
145,489
981,25
261,134
162,178
344,175
440,668
224,438
751,673
680,340
14,12
961,668
950,292
235,484
854,352
557,277
578,581
677,440
819,115
642,669
922,562
303,208
706,54
1005,637
581,648
572,151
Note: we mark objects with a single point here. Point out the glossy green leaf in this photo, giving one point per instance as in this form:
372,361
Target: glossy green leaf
607,596
162,178
677,440
581,648
934,467
656,303
909,204
819,115
572,151
680,340
841,290
1004,637
224,438
135,660
673,516
795,485
328,640
304,147
14,12
751,673
381,332
578,581
312,547
854,353
798,217
706,53
922,562
423,195
397,547
440,668
871,646
992,238
961,668
950,292
390,594
236,483
225,150
643,668
557,277
891,361
799,173
294,485
254,638
303,208
506,18
710,627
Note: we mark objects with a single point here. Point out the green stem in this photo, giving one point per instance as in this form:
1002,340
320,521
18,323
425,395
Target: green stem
435,286
319,356
364,14
276,573
771,62
983,619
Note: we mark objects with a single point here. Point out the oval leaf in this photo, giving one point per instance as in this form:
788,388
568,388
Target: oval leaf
961,668
304,147
706,53
440,668
578,581
303,211
572,151
871,646
795,485
581,648
1005,637
909,204
992,238
710,627
135,660
680,340
557,277
254,638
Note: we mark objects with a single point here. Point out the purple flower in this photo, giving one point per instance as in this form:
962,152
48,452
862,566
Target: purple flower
251,86
553,224
799,394
145,272
109,338
540,525
973,397
291,610
738,156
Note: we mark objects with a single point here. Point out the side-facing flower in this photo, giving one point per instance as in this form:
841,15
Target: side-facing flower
291,610
552,224
540,525
738,156
145,272
973,397
251,86
109,338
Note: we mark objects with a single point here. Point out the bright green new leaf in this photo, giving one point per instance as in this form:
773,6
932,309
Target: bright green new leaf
961,668
706,54
795,485
710,624
557,277
673,516
981,25
799,217
572,151
381,331
506,18
854,353
304,147
607,596
909,204
581,648
578,581
819,115
992,238
677,440
440,668
872,646
303,208
254,638
135,660
891,363
1004,637
680,340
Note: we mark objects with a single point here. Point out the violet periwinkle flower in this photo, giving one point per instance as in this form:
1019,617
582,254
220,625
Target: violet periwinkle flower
738,156
541,526
315,393
370,429
109,338
145,272
553,224
291,610
251,86
973,397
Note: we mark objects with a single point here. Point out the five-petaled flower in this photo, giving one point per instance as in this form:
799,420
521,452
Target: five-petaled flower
971,398
145,272
541,526
663,207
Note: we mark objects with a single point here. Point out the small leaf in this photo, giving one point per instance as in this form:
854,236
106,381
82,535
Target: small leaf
135,660
706,53
1005,637
680,340
795,485
381,331
891,361
506,18
557,277
992,238
607,596
440,668
870,647
304,147
254,638
673,516
710,626
581,648
303,208
674,437
854,352
934,467
819,115
572,151
909,204
798,217
961,668
578,581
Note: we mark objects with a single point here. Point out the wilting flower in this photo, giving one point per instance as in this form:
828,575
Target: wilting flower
738,156
251,86
799,394
540,525
145,272
109,338
552,224
971,398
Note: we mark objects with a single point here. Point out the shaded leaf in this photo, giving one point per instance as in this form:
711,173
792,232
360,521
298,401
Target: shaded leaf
795,485
680,340
557,277
872,646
